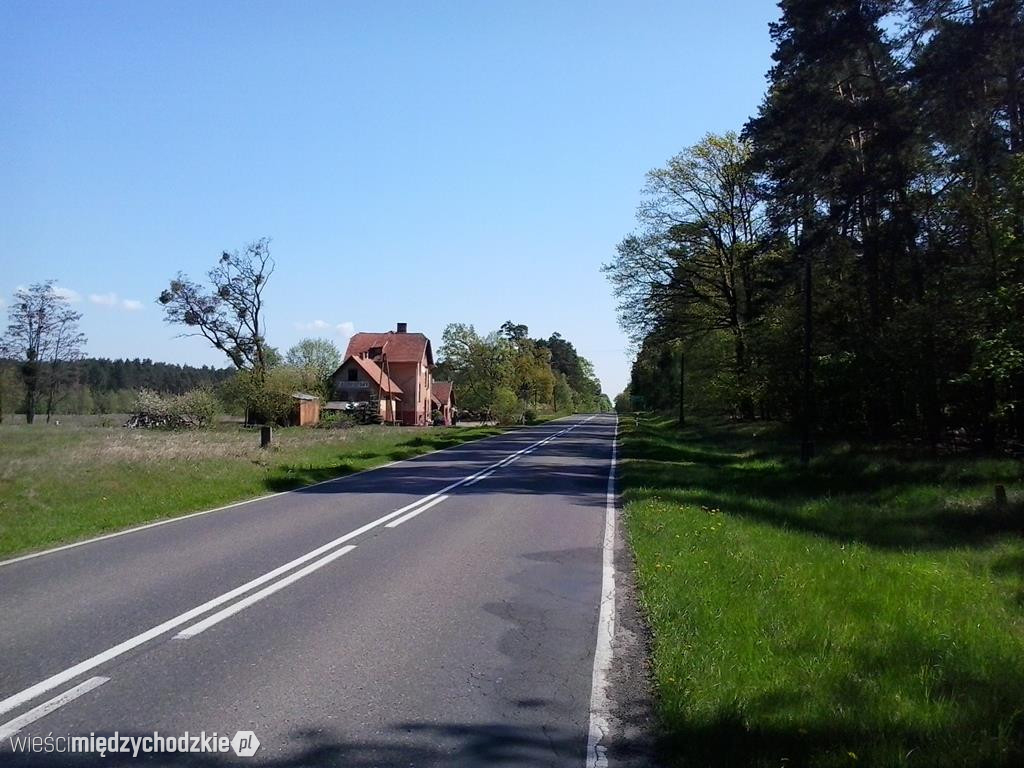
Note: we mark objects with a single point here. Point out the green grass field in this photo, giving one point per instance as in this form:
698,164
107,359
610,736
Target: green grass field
867,610
79,479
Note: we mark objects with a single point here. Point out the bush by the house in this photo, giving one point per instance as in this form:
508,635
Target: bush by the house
262,400
337,419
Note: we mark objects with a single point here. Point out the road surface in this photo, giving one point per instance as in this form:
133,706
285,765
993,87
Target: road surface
440,611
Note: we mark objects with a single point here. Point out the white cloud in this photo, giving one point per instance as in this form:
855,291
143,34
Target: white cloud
103,299
2,301
344,330
111,300
70,296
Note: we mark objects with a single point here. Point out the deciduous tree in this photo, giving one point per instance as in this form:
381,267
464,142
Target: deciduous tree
228,311
42,334
319,358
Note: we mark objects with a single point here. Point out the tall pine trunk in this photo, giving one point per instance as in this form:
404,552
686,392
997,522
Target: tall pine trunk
682,388
746,401
807,385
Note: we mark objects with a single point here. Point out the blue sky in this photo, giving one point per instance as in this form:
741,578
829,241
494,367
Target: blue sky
421,162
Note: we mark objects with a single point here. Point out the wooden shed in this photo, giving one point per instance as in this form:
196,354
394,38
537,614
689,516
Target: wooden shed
305,410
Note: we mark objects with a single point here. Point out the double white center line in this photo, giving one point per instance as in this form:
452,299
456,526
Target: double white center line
335,549
482,477
255,597
424,508
10,728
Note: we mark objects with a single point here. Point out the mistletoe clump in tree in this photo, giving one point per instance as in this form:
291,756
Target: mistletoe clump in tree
228,310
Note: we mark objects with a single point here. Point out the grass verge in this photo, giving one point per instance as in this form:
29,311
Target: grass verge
61,484
866,610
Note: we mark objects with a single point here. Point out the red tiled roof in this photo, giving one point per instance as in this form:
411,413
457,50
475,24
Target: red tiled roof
375,374
401,347
441,391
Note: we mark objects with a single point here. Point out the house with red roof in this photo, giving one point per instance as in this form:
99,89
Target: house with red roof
396,367
360,380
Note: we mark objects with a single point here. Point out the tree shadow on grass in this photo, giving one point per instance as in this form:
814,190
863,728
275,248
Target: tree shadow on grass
877,499
1009,565
289,478
970,717
915,698
730,741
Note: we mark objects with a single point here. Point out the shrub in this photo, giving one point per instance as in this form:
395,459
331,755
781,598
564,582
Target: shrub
507,408
196,408
266,401
337,419
369,412
270,406
152,404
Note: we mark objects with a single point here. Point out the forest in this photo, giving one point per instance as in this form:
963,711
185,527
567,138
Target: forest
851,260
94,385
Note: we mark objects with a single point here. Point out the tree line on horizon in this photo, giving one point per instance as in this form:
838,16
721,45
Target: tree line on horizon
98,385
852,261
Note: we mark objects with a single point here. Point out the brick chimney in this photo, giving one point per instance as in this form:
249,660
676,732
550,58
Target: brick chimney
403,327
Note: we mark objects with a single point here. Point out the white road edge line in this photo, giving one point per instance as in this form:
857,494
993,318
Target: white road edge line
264,497
16,700
255,597
600,705
12,727
424,508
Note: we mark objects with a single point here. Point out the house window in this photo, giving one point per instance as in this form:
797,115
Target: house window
353,374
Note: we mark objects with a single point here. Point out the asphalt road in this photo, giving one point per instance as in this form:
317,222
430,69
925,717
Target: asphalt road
366,621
